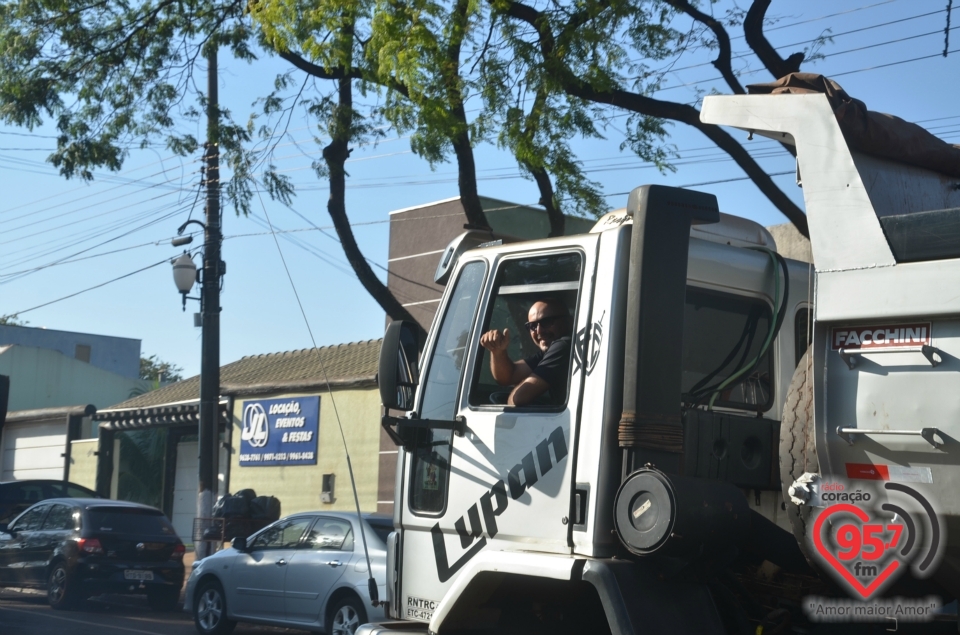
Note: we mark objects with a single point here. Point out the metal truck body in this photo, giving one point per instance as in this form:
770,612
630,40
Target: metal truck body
500,510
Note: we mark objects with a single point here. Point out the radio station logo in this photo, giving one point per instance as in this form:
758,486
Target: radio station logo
867,539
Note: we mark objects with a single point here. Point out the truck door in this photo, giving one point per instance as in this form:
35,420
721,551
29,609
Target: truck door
505,482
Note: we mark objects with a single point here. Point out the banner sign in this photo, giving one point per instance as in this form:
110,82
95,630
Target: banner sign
280,431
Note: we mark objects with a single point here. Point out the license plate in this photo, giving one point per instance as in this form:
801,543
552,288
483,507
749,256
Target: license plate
138,575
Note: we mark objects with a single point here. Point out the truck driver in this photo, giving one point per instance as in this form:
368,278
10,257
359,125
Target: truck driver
549,324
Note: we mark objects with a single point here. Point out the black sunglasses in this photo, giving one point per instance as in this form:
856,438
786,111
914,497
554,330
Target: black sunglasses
543,322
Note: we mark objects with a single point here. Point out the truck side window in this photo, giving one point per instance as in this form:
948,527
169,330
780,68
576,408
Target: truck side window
431,455
553,279
722,334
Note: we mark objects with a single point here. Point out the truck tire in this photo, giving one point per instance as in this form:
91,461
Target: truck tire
798,448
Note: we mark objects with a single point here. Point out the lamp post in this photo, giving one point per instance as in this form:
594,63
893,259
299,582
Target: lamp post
213,270
185,275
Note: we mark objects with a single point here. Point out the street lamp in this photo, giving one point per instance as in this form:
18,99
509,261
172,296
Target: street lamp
185,275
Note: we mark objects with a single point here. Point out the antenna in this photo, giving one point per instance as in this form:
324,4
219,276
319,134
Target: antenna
372,588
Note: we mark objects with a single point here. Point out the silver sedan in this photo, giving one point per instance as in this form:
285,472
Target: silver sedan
305,571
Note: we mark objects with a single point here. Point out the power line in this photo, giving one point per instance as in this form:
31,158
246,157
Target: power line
112,178
96,286
811,41
823,17
71,223
873,68
28,134
57,248
730,180
838,53
56,263
85,207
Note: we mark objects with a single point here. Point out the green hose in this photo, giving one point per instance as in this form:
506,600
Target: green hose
770,332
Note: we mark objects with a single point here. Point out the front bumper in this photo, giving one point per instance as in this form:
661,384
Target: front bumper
190,590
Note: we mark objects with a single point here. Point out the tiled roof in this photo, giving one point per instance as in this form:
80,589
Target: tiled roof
353,364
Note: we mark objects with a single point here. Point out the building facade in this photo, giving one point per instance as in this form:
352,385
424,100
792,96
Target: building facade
418,236
281,417
118,355
51,397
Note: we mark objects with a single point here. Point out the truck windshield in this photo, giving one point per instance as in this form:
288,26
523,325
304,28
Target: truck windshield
431,455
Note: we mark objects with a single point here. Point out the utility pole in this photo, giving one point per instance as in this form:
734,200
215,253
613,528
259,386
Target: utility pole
209,436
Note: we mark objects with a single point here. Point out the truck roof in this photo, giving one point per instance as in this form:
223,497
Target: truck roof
731,230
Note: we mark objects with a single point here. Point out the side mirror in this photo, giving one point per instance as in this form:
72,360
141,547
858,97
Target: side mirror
399,373
239,543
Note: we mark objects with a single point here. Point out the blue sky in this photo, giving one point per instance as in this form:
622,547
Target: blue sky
122,222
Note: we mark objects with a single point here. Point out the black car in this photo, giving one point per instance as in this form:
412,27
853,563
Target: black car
16,496
79,547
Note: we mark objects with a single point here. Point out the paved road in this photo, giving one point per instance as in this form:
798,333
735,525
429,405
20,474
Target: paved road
27,613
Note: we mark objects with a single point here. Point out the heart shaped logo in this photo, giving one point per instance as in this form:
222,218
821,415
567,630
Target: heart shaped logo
862,553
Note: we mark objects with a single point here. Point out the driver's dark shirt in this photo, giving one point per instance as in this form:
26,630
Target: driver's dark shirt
552,367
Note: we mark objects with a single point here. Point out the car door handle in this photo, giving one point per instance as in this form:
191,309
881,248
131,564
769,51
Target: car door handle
281,562
334,563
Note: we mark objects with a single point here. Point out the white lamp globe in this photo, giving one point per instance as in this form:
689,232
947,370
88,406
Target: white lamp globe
184,273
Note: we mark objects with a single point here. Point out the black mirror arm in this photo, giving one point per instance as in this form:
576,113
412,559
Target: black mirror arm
395,427
391,427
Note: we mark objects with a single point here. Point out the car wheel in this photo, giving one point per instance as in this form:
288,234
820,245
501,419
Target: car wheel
345,616
61,593
210,610
164,599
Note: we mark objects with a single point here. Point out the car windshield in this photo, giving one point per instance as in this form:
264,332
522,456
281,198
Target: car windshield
120,520
382,527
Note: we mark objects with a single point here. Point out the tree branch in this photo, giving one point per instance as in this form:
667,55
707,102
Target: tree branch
335,155
338,73
753,30
315,69
574,85
539,173
460,139
558,222
722,63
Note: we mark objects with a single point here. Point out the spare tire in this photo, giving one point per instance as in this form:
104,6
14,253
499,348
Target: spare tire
798,448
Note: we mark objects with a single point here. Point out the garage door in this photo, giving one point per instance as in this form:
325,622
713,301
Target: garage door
185,488
32,450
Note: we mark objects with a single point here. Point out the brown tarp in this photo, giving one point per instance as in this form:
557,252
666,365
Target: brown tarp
869,132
